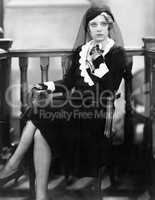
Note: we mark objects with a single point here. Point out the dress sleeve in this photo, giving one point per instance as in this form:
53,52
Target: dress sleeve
116,64
118,60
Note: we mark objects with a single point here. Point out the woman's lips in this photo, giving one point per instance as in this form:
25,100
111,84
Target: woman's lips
100,35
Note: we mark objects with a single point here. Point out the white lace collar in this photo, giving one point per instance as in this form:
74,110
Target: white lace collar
83,58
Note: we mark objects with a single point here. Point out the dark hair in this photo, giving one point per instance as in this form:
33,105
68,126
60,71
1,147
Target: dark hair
94,12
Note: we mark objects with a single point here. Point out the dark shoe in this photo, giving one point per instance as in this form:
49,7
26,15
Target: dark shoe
14,176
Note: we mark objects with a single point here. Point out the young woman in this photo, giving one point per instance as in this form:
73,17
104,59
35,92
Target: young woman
114,33
77,129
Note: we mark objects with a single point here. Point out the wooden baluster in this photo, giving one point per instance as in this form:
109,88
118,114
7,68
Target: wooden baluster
128,84
23,64
1,18
44,65
66,63
128,132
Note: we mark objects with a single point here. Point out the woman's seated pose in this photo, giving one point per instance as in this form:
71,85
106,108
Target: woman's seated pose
76,128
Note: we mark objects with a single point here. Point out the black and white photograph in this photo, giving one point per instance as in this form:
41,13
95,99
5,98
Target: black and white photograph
77,100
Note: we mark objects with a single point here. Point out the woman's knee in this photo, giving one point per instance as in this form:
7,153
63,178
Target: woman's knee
41,142
39,138
38,135
30,126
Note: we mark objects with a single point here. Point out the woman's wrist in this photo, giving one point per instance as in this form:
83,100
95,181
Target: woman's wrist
98,61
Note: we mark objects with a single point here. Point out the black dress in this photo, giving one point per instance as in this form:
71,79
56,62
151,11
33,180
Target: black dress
75,131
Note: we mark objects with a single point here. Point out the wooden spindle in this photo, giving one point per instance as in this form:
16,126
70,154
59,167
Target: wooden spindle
128,84
23,64
44,65
66,63
128,123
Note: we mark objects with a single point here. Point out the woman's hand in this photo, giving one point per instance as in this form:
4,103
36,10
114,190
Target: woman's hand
40,86
50,85
45,86
41,94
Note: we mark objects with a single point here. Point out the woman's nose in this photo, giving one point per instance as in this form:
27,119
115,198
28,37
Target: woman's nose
99,27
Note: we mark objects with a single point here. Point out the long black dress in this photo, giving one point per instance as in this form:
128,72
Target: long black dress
79,138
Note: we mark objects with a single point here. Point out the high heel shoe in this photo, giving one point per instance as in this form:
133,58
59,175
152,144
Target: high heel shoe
14,176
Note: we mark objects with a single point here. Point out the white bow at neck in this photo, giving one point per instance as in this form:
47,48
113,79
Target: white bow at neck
83,57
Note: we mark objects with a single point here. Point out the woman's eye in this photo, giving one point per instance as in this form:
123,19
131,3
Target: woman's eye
93,24
103,24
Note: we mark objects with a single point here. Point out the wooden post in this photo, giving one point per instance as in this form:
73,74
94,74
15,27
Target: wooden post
5,70
149,46
23,64
66,63
44,65
1,18
149,138
128,122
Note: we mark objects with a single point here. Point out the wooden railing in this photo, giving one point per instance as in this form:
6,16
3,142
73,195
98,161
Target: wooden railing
45,55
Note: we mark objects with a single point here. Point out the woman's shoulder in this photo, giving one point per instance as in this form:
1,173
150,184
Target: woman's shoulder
117,49
76,52
78,49
117,52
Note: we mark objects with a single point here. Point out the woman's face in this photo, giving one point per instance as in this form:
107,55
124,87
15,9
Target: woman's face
98,29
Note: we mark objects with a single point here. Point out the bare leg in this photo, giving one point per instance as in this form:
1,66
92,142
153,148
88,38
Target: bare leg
42,161
25,141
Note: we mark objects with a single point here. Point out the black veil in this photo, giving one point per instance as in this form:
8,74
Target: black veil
83,36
